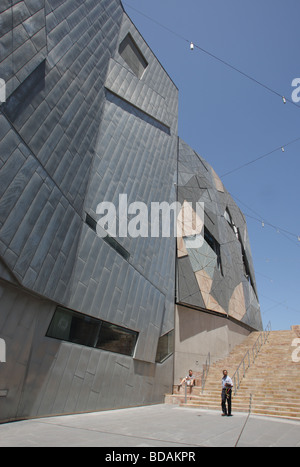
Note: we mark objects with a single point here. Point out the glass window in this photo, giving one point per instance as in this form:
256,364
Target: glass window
116,339
132,55
80,329
112,242
84,330
91,222
165,347
228,217
60,325
215,246
116,246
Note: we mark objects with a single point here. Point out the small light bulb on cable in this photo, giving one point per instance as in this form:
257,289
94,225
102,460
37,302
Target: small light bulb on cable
284,99
191,46
298,238
282,149
262,224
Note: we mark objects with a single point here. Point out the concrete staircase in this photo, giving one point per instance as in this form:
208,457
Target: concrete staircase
273,380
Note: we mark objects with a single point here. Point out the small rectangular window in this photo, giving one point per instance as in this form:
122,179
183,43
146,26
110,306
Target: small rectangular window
165,347
132,55
84,330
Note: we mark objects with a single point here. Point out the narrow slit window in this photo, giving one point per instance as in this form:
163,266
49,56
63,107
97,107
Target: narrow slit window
215,246
111,241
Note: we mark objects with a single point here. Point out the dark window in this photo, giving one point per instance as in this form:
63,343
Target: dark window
91,222
132,55
80,329
112,337
247,271
215,246
112,242
23,95
165,347
228,217
237,233
117,247
246,266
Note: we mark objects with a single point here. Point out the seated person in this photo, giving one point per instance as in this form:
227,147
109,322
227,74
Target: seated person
189,380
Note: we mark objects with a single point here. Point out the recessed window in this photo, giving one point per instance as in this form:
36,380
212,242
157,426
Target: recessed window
19,100
228,217
117,247
112,337
91,222
111,241
84,330
247,271
132,55
165,347
215,246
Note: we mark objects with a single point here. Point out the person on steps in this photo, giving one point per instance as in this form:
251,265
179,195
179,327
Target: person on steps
227,386
189,380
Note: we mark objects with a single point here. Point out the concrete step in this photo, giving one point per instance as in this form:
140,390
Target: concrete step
274,412
273,380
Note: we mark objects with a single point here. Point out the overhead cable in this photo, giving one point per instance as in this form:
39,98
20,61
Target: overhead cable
194,46
280,148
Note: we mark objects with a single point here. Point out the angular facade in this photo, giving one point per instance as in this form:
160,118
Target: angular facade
218,276
90,114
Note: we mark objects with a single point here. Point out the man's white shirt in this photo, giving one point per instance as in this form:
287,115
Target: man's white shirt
226,380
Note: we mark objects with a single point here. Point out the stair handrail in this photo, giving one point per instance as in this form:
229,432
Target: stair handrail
267,330
236,376
260,341
205,372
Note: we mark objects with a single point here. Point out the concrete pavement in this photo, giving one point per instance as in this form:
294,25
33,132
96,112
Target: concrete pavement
158,426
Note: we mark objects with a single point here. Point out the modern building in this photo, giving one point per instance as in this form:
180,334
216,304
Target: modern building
92,323
216,294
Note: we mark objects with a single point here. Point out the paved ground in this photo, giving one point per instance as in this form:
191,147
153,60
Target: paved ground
157,426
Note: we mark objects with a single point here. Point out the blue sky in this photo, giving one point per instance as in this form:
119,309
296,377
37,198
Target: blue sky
231,120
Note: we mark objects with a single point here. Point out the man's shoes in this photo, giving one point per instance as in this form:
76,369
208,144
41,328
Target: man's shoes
224,414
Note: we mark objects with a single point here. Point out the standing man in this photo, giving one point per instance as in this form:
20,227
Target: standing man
226,394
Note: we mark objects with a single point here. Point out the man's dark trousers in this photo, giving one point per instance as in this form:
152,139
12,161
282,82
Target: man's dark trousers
226,397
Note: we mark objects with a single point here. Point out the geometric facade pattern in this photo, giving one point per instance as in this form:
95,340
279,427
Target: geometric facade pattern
91,114
219,275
